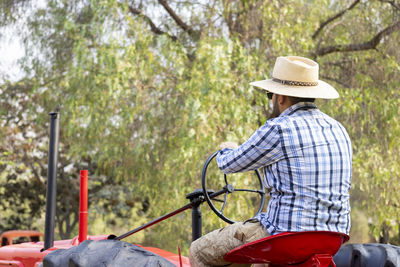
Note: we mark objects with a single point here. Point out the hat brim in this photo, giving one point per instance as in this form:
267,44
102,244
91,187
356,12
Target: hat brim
322,90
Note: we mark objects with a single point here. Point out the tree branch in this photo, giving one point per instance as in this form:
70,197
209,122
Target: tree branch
329,20
335,80
328,30
153,27
36,174
176,18
371,44
340,64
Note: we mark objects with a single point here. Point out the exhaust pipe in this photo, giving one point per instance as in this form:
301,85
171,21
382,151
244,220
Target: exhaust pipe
83,206
51,181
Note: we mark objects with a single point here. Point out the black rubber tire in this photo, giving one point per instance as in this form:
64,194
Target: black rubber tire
368,255
104,253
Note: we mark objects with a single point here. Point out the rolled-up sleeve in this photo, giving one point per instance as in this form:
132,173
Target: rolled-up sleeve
261,149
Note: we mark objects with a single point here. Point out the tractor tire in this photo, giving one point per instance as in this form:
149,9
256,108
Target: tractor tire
104,253
367,255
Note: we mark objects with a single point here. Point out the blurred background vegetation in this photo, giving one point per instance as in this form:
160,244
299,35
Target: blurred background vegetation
147,90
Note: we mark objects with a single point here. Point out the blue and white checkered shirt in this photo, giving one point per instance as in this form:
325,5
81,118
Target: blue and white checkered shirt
306,161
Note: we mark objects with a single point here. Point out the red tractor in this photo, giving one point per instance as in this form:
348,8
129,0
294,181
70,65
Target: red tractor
19,236
301,249
32,252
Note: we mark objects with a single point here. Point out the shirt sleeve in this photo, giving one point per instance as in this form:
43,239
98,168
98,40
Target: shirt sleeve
261,149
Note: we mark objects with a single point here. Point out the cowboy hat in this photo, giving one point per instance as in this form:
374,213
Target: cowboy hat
298,77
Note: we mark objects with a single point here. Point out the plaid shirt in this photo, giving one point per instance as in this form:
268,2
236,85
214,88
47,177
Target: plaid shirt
306,161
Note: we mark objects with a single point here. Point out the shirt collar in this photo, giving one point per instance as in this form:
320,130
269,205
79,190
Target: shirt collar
298,106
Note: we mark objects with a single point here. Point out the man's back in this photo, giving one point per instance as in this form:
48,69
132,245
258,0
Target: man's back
306,157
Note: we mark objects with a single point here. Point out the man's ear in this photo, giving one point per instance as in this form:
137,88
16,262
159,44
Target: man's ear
282,99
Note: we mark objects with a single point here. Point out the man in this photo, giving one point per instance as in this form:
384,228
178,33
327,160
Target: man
305,156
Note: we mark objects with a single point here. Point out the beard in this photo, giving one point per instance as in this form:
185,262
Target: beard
275,109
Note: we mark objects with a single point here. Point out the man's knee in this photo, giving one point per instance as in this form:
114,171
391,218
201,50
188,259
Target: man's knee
210,249
194,252
192,260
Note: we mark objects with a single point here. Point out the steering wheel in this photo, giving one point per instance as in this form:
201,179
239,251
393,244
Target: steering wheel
227,189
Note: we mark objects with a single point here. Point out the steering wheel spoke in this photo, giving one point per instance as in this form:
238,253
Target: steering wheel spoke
249,190
227,189
223,205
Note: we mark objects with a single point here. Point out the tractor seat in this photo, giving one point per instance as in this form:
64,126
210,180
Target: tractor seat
300,249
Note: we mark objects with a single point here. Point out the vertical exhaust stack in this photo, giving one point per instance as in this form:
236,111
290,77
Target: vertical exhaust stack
83,206
51,181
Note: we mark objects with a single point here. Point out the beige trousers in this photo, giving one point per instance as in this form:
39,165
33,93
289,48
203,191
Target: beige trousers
209,250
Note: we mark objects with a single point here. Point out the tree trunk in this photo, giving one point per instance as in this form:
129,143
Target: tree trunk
384,237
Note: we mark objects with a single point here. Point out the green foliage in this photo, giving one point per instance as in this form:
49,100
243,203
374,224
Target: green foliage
143,105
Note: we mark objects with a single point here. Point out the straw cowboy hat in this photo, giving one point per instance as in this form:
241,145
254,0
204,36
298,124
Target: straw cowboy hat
297,76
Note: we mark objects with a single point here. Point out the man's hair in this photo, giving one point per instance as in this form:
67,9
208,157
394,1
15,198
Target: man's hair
295,100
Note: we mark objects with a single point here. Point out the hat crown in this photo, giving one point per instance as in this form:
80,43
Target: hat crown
293,68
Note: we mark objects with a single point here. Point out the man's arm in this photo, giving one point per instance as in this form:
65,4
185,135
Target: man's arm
261,149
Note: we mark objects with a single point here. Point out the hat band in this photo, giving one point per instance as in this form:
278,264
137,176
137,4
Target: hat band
294,83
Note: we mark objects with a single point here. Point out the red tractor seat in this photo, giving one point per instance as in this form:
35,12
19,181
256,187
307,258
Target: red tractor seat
300,249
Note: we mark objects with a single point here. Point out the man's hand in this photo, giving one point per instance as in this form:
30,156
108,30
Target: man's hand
231,145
